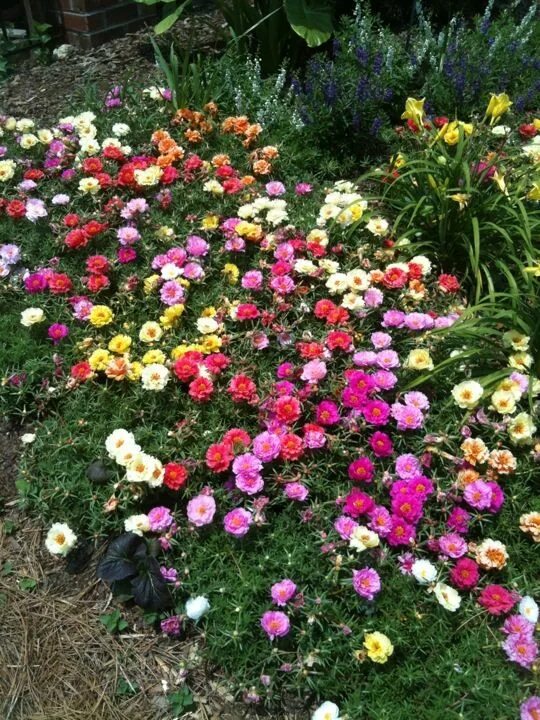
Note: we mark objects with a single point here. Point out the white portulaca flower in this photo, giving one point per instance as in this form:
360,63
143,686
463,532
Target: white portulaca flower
327,711
207,325
32,316
155,377
60,539
118,441
137,524
467,394
424,571
197,607
528,609
28,438
449,598
120,129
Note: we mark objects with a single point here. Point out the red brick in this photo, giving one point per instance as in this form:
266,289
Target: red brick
121,15
83,22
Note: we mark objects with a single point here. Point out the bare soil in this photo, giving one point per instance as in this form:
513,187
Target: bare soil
43,91
57,661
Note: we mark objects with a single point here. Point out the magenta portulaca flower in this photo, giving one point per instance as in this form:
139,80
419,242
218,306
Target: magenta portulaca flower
275,624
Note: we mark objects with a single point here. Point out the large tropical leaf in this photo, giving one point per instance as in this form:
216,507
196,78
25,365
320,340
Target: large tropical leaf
311,19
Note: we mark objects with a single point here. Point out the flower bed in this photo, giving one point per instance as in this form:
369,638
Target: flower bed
264,398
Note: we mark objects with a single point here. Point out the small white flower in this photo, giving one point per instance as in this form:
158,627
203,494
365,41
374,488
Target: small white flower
327,711
528,608
154,377
60,539
32,316
120,129
424,571
28,438
467,394
137,524
449,598
197,607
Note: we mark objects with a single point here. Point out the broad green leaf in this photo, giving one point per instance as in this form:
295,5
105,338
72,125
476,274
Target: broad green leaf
311,20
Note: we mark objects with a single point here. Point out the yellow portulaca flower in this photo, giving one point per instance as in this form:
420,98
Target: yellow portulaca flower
89,185
99,359
154,357
210,344
100,315
171,316
119,344
45,136
251,231
503,402
150,176
28,140
165,232
500,182
134,371
497,106
231,272
398,161
151,283
414,110
516,340
419,359
210,222
520,361
7,170
533,269
378,646
521,429
150,332
178,351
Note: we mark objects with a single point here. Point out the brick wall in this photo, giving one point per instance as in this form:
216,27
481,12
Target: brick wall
89,23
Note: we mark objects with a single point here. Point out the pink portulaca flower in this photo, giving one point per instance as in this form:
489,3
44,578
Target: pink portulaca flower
201,510
237,522
283,591
275,624
367,583
160,519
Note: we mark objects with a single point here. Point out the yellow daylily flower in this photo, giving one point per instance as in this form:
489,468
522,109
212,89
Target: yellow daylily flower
414,110
534,192
462,199
497,106
534,269
500,182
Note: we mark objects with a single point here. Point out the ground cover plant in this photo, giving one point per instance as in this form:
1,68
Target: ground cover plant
283,414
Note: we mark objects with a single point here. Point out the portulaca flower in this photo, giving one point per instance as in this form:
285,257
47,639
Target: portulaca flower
449,598
424,571
467,394
28,438
197,607
327,711
31,316
155,377
60,539
137,524
118,441
528,608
